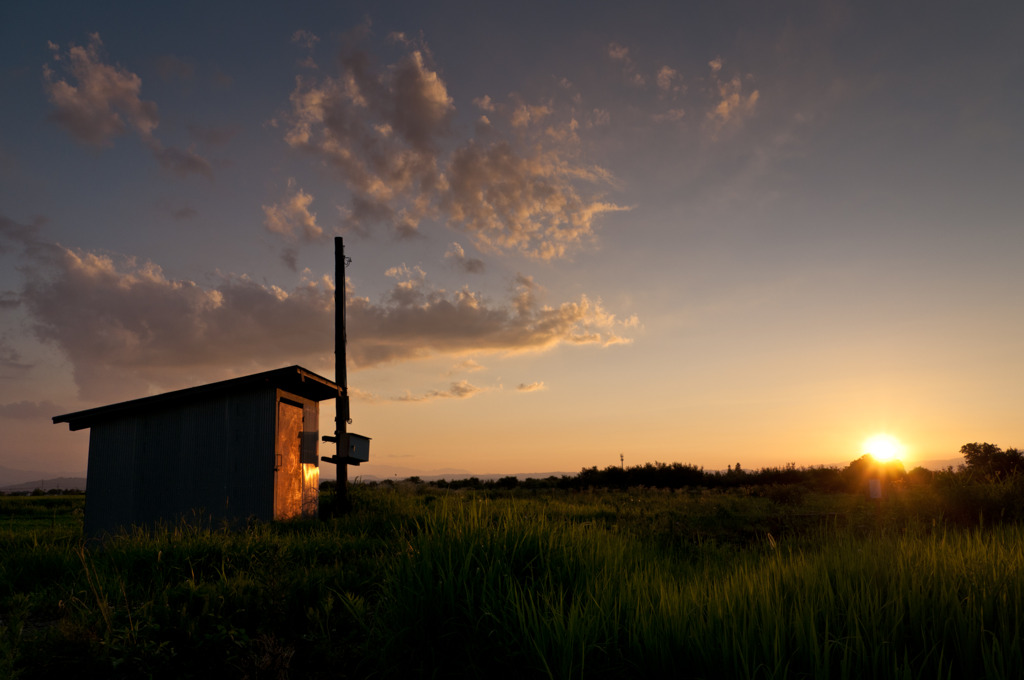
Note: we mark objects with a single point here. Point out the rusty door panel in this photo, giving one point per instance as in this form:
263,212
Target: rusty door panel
288,477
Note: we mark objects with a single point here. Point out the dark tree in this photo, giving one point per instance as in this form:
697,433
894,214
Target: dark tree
991,462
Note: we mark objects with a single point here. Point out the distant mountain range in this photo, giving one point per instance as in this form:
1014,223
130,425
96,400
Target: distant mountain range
62,483
29,480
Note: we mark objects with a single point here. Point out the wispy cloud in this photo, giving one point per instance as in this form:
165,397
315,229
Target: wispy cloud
620,55
467,366
669,81
292,218
732,104
720,102
96,102
308,41
457,254
462,389
9,300
670,116
531,387
12,365
387,131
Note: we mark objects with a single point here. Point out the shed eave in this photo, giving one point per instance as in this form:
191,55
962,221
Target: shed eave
294,379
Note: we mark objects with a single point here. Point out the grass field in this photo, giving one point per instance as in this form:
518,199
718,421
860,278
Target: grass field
420,582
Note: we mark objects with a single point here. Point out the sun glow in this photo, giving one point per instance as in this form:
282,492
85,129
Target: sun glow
883,447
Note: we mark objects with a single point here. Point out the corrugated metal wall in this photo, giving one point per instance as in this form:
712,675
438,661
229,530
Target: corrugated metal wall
209,460
110,501
252,421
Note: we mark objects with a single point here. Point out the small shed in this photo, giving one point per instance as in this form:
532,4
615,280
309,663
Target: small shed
227,451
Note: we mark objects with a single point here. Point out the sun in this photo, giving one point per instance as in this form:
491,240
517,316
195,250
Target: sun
883,447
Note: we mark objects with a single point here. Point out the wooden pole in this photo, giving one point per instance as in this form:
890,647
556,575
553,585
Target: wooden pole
341,416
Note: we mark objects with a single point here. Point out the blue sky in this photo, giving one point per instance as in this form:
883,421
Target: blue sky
696,232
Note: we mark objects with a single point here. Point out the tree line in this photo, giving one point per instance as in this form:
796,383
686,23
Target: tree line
984,463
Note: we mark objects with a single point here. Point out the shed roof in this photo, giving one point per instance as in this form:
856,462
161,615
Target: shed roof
294,379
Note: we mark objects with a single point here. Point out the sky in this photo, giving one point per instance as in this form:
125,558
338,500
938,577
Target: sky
706,232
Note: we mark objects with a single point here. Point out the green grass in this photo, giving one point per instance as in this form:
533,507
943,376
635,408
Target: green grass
424,583
42,512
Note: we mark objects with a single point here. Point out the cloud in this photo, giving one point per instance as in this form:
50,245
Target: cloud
305,38
186,212
95,108
732,105
509,201
387,133
670,116
95,102
379,131
485,104
600,117
467,366
462,389
11,363
526,114
291,217
531,387
29,410
290,258
415,320
725,102
15,236
669,81
620,54
9,300
125,326
457,254
128,328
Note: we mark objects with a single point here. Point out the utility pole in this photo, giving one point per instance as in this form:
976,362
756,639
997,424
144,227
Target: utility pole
342,504
341,414
350,448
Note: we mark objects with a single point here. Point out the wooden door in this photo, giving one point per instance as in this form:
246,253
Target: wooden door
288,477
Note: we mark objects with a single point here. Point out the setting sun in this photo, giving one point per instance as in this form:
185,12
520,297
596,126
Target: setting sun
883,447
